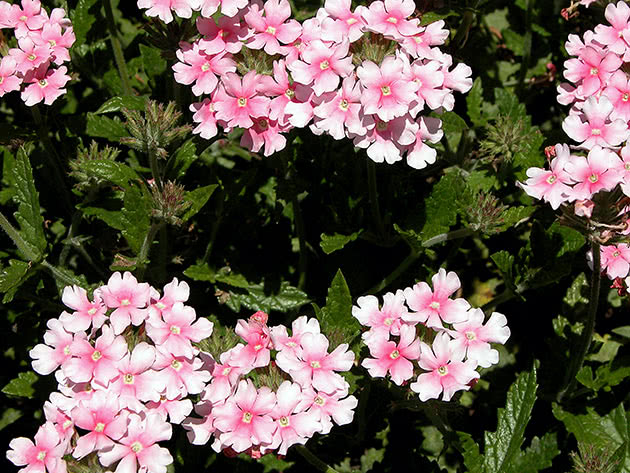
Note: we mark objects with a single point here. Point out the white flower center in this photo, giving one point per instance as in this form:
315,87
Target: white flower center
596,132
594,71
205,67
551,179
41,455
258,347
175,330
386,90
315,364
351,21
176,365
393,20
320,401
435,305
91,311
470,335
284,421
271,30
136,447
125,302
66,350
593,178
160,305
388,321
343,105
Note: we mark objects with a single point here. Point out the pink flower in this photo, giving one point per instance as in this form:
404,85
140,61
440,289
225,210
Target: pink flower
390,18
447,372
57,350
327,406
85,313
473,337
30,55
224,36
128,297
9,81
300,326
314,365
180,376
593,173
28,18
238,102
591,69
139,446
59,42
272,29
265,132
322,66
176,332
388,90
293,426
552,185
393,358
613,36
103,418
433,307
594,126
163,8
244,420
45,455
341,23
46,85
615,260
340,110
385,320
419,45
174,291
386,140
96,362
205,117
419,154
618,91
202,69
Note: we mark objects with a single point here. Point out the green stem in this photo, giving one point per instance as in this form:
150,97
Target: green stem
455,234
586,337
314,460
55,160
299,227
436,419
59,275
119,57
18,241
155,169
373,192
215,227
402,267
527,47
146,247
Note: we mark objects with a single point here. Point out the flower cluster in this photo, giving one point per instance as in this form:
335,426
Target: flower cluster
117,386
459,340
256,405
369,75
35,66
592,180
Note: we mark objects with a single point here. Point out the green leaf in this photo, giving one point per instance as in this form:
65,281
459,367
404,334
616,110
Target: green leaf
503,446
622,331
474,101
605,376
82,21
370,458
452,123
112,171
513,215
28,214
273,464
201,272
116,104
433,16
197,199
336,316
538,455
185,155
332,243
9,416
258,297
606,432
509,105
105,127
505,263
12,277
472,458
514,42
153,62
22,386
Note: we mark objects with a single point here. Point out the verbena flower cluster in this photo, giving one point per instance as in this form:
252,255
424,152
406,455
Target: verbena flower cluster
299,394
35,66
120,388
444,336
594,177
369,75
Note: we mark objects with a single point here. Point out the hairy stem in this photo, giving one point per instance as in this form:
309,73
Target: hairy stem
119,57
314,460
586,337
146,248
373,192
442,237
18,241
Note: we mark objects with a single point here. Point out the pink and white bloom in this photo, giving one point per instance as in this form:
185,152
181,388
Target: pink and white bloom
9,81
129,299
237,102
45,455
86,313
197,67
594,126
273,28
382,321
393,358
341,22
337,406
390,18
45,84
447,372
593,173
613,37
432,307
473,337
55,351
163,8
615,260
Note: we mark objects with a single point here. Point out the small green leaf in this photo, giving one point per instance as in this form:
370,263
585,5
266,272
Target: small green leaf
370,457
514,42
154,64
9,416
509,104
474,101
513,215
12,277
538,455
112,171
622,331
332,243
116,104
472,458
185,155
22,386
336,316
452,123
258,297
105,127
197,199
502,447
433,16
201,272
505,263
82,21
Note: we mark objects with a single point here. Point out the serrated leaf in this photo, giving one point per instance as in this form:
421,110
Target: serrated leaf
22,386
112,171
200,272
503,446
332,243
505,263
116,104
82,21
28,214
538,455
336,316
606,432
105,127
197,199
273,464
514,42
12,277
509,105
472,458
513,215
452,123
153,62
574,294
257,297
474,102
370,457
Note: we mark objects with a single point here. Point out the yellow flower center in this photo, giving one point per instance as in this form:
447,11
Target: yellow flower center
320,401
271,30
435,305
125,302
96,355
471,335
283,421
625,97
160,305
551,179
247,417
128,378
442,370
99,427
52,43
205,67
175,330
315,364
42,82
386,90
594,71
176,365
388,321
395,354
351,21
31,57
136,447
324,65
593,178
242,102
92,311
343,105
66,350
393,20
596,132
41,455
290,93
